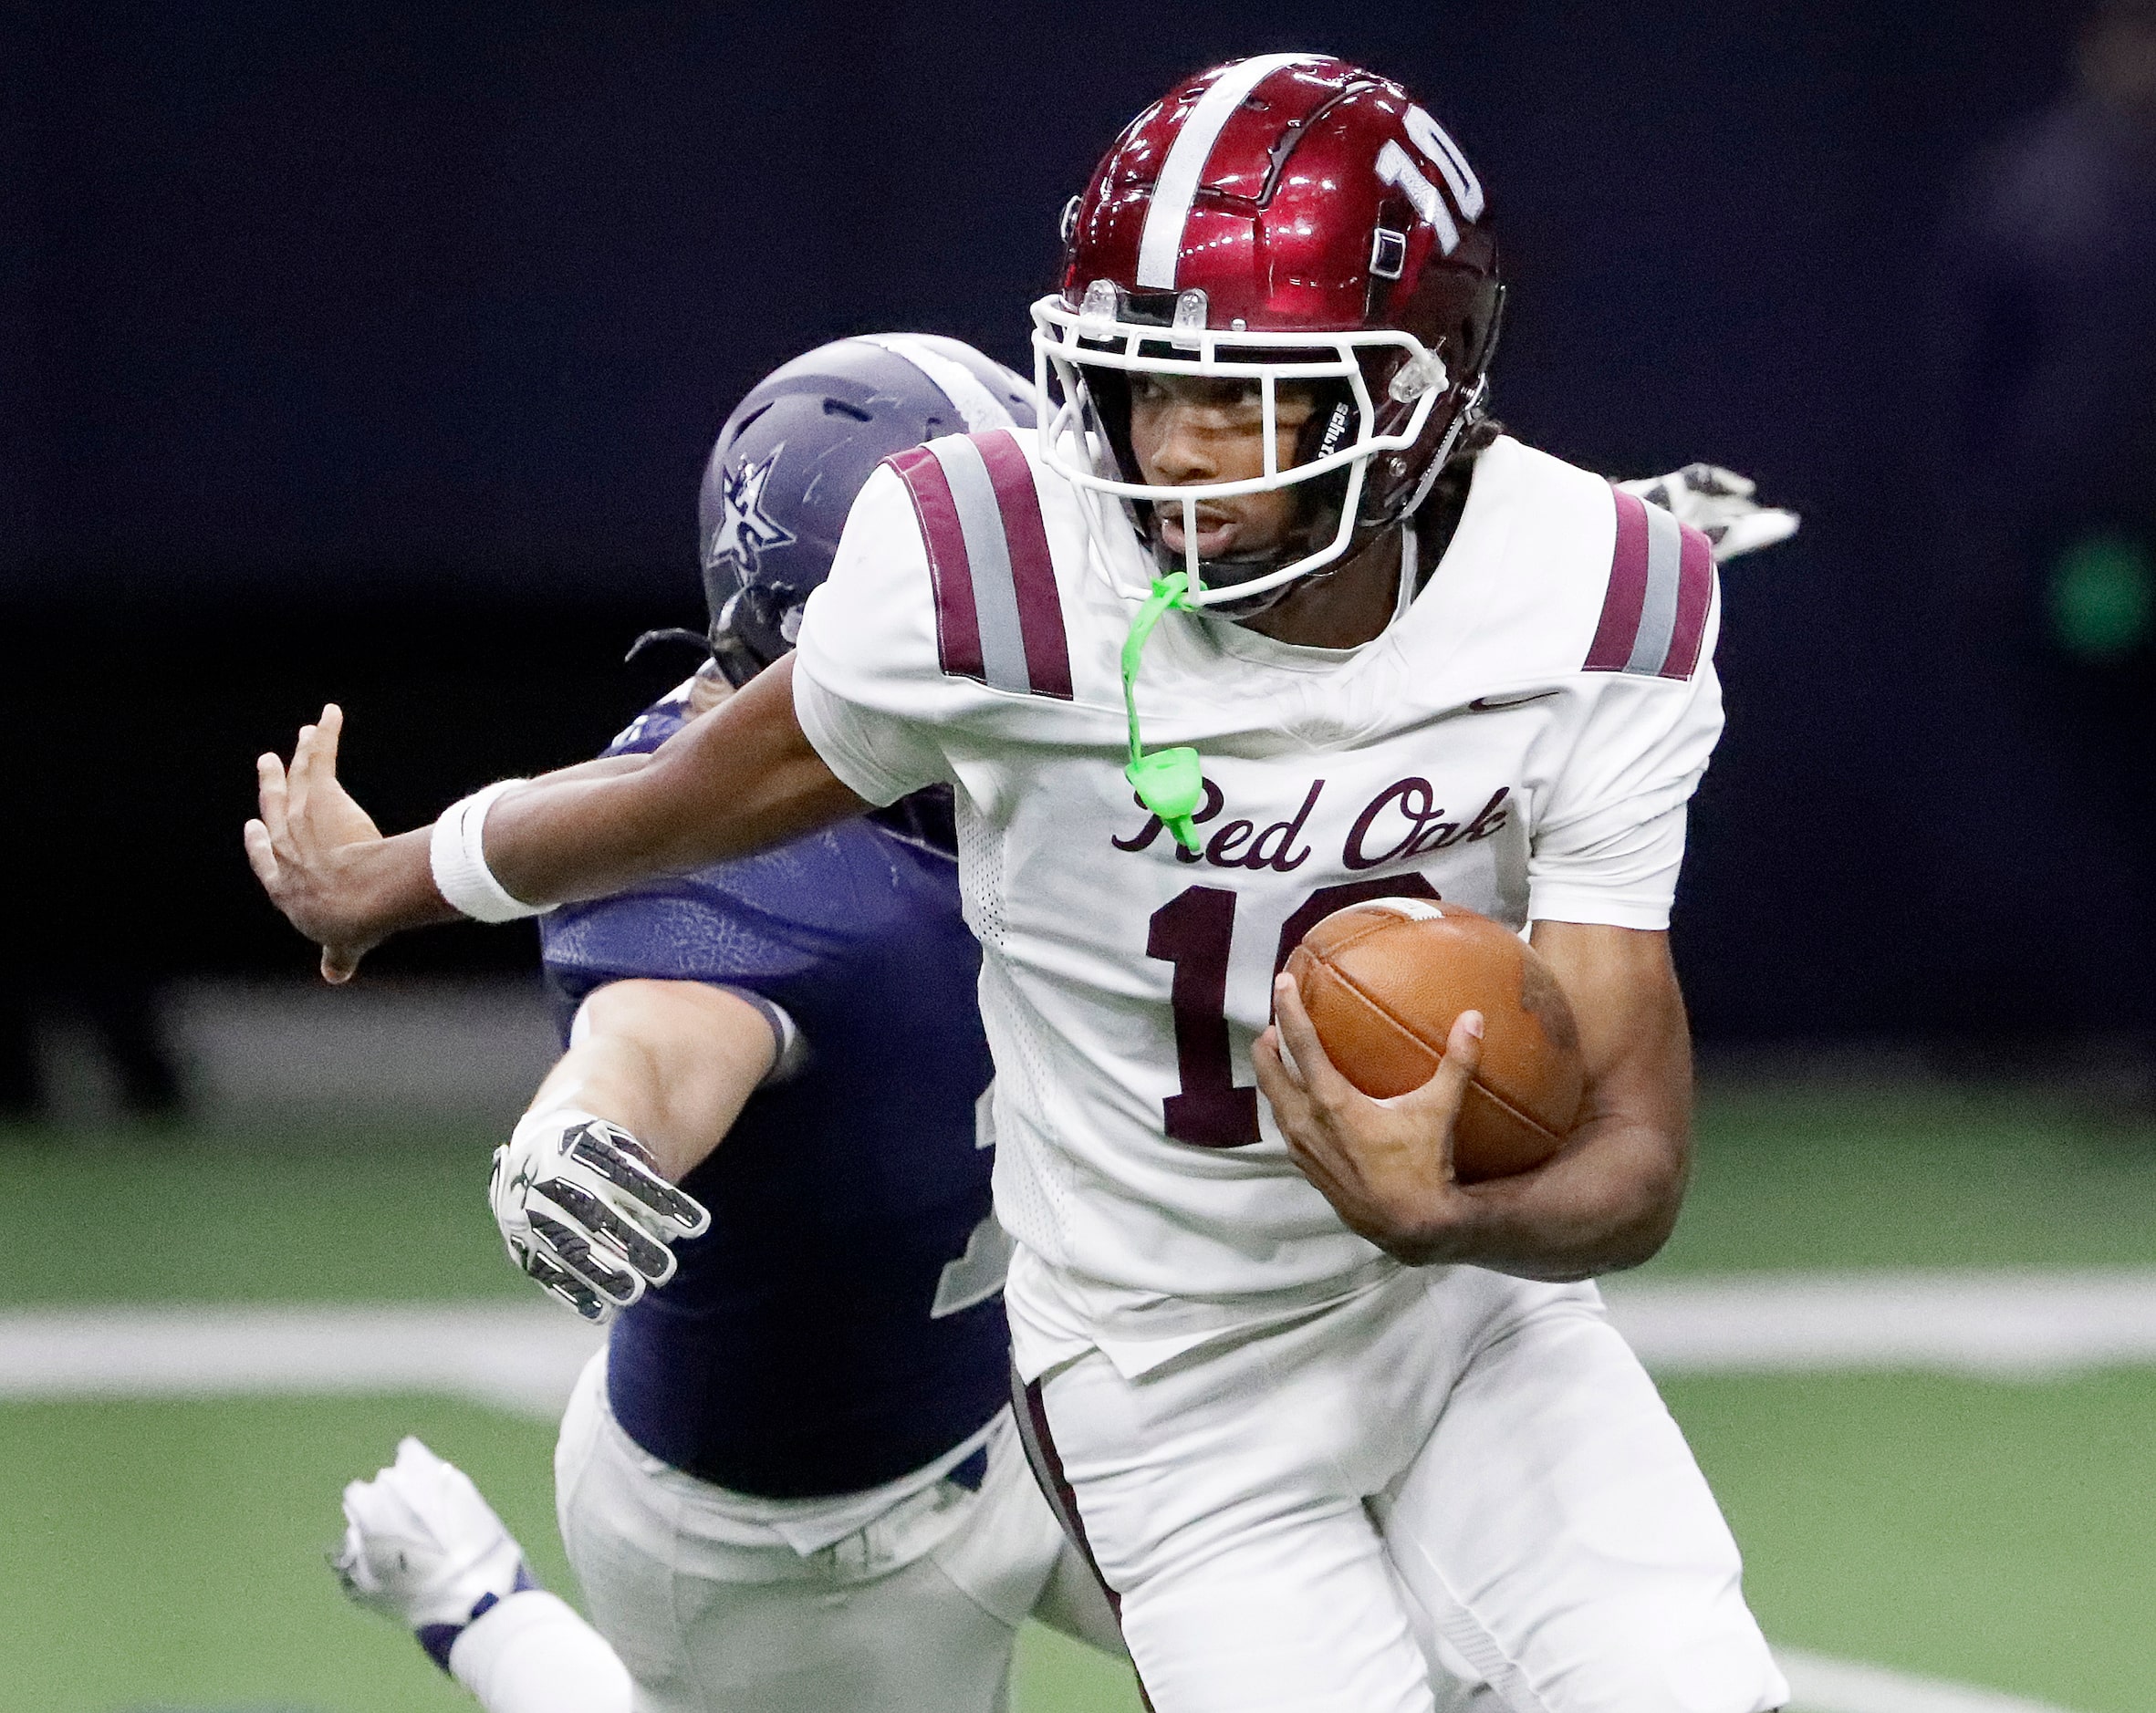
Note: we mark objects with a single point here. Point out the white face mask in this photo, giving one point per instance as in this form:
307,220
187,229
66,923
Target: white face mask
1075,442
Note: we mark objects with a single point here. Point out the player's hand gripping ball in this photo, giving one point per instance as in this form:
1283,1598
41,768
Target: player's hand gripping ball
1383,982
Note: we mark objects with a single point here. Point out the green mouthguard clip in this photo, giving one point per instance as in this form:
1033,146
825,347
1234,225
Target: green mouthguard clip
1169,783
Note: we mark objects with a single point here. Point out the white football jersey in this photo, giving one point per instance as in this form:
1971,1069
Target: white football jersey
1523,738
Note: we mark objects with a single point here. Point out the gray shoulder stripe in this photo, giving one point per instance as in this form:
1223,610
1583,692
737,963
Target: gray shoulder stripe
1658,610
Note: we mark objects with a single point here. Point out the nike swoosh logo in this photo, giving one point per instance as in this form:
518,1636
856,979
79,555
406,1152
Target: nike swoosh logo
1483,704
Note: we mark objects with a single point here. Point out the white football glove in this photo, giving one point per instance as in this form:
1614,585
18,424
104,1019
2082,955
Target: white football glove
422,1546
584,1211
1718,504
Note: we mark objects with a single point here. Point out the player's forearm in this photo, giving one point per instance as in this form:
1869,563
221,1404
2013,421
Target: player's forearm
740,779
1608,1202
389,885
1610,1198
673,1062
391,882
616,1078
383,886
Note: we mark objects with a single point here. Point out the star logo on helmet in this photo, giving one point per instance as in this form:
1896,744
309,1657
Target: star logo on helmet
747,531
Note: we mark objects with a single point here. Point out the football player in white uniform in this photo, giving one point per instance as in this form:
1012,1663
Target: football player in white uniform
1339,1432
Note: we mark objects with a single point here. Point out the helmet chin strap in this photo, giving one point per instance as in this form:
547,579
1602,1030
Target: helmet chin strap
1461,421
1251,569
1221,574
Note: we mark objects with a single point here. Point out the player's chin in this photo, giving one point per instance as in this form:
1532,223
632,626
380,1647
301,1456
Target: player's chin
1250,605
1227,574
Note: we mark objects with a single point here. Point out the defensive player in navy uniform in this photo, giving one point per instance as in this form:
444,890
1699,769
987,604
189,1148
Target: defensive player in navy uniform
791,1482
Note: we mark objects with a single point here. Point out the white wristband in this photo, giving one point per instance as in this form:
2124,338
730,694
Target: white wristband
457,854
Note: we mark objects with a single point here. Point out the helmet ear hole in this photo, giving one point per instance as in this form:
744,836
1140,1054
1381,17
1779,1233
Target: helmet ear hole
1109,391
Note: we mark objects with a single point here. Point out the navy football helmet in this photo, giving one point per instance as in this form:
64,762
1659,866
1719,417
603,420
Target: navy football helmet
796,451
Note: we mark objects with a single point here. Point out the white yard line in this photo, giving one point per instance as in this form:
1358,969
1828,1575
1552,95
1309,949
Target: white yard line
1993,1325
518,1357
524,1355
1820,1685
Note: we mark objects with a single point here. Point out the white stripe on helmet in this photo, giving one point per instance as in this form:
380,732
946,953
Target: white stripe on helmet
1185,169
981,409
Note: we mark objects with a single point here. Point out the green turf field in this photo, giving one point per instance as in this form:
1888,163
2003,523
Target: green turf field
168,1555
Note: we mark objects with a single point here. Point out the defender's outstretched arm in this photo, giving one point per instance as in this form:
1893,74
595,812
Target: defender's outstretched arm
1720,504
655,1075
739,779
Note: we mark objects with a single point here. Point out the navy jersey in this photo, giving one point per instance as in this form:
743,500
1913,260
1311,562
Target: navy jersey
841,1324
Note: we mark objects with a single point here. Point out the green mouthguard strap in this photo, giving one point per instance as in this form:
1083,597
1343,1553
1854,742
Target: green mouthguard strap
1170,782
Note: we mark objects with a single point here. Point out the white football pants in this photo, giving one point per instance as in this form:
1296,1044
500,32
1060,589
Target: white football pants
1457,1491
916,1612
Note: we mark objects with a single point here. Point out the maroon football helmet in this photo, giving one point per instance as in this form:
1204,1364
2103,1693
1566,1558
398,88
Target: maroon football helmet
1290,218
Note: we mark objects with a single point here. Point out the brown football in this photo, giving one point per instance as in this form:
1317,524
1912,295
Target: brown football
1385,980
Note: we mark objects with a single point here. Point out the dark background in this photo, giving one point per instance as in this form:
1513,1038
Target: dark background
374,352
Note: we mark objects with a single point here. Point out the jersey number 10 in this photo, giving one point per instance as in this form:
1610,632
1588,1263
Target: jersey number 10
1193,933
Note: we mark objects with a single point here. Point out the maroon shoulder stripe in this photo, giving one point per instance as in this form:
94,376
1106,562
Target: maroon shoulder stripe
1695,593
999,617
958,625
1032,570
1627,591
1661,584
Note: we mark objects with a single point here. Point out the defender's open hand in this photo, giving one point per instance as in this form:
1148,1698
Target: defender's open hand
307,844
584,1211
1722,505
1385,1165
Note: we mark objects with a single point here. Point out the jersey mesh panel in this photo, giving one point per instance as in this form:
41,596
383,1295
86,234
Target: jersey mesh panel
980,873
1033,1179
